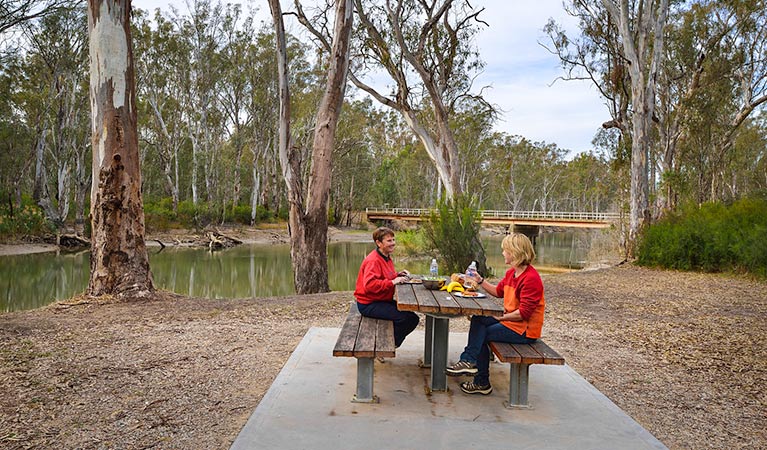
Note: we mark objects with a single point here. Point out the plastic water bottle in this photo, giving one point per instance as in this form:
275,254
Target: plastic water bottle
471,271
433,268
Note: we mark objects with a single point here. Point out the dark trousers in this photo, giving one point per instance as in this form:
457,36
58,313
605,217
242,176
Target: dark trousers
404,321
482,331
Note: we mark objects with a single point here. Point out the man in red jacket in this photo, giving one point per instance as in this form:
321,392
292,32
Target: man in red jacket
375,286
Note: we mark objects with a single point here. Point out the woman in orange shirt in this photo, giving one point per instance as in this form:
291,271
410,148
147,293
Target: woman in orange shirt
522,319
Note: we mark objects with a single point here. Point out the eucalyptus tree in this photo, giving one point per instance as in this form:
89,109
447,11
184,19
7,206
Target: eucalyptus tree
308,220
641,27
16,12
352,160
119,260
235,89
745,175
713,80
588,184
262,107
634,67
474,144
746,47
16,136
55,102
200,38
160,63
426,49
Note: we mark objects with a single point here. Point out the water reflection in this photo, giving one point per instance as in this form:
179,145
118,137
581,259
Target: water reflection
31,281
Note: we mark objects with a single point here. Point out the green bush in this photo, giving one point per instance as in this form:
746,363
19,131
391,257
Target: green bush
27,220
239,214
412,242
198,216
713,238
159,215
453,229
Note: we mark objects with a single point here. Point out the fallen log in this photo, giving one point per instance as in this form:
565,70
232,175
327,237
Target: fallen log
73,241
219,241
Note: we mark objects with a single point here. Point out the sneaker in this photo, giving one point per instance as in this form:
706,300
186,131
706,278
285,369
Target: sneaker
461,368
470,388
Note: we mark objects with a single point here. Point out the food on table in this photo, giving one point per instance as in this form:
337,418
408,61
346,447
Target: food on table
470,285
458,277
453,286
433,282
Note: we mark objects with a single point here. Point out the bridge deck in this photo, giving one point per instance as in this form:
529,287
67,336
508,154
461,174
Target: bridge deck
573,219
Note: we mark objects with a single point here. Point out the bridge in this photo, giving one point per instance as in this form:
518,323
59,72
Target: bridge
521,219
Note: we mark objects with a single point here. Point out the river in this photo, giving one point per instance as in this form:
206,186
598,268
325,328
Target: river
35,280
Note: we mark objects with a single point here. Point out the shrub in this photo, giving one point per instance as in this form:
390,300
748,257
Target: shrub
453,229
27,220
198,216
239,214
159,216
413,242
713,238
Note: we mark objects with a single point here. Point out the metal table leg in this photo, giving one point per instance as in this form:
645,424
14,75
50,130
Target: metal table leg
427,341
440,332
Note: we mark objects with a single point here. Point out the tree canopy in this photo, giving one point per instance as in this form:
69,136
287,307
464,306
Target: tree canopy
207,101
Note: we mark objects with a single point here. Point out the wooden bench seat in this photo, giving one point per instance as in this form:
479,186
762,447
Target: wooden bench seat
365,339
521,356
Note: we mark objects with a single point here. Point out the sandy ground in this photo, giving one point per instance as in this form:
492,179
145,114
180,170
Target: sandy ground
682,353
22,249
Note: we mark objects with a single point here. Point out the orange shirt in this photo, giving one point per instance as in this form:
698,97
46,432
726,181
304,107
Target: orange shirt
524,293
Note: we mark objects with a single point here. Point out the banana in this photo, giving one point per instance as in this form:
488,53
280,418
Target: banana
452,286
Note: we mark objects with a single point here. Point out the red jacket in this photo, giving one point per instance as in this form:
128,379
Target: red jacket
374,279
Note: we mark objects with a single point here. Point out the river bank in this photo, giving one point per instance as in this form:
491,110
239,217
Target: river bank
682,353
273,234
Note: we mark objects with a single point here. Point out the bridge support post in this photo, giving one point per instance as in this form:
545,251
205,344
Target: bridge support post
530,231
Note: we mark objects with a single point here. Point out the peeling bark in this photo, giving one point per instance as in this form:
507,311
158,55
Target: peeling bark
119,260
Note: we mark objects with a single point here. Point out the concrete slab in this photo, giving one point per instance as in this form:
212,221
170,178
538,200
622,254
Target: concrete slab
308,407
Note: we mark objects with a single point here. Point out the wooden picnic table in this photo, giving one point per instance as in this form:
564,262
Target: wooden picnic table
439,307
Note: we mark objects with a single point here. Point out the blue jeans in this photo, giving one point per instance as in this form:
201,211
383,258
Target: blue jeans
404,321
482,331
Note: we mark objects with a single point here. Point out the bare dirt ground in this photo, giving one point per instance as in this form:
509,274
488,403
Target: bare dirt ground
682,353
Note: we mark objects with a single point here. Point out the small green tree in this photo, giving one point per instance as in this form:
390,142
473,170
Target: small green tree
453,229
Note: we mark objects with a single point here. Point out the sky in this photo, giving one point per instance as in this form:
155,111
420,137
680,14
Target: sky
520,73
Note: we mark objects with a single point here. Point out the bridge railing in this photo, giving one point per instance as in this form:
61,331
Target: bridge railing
499,214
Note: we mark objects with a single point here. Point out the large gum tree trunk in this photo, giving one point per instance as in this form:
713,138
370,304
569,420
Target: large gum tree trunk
309,218
119,261
643,39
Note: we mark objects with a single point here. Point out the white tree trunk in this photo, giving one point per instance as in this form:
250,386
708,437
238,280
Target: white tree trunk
643,47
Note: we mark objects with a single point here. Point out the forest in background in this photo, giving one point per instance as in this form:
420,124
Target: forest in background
208,105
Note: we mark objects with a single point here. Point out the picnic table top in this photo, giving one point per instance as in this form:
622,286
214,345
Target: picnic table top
415,297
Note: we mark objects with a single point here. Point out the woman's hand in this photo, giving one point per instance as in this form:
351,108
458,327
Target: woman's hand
399,280
404,273
476,278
